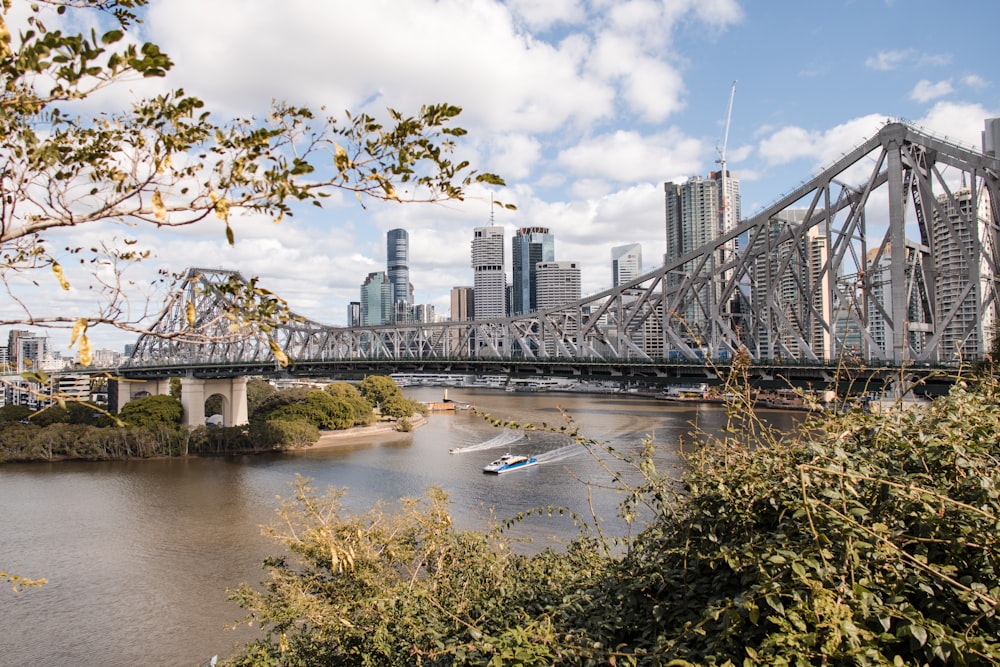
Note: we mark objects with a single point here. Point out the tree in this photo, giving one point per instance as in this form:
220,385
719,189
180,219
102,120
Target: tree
14,413
166,163
349,394
383,392
54,414
257,392
152,411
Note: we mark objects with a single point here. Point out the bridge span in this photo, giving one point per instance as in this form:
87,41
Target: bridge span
887,260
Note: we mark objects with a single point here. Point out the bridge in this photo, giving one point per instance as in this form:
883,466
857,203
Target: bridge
885,260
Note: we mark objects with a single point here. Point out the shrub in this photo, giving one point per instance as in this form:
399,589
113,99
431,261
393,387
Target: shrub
865,540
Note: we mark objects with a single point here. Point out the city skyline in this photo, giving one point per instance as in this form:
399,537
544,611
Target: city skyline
586,109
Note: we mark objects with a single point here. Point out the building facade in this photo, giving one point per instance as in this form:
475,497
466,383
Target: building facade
626,263
558,284
529,246
397,254
489,275
376,300
698,211
963,234
462,304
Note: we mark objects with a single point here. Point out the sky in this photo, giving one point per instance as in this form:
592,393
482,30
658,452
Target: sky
584,107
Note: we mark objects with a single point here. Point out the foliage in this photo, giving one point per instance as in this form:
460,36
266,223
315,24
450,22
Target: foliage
348,393
214,405
14,413
284,433
257,391
396,589
20,442
167,162
383,392
866,539
54,414
322,408
149,411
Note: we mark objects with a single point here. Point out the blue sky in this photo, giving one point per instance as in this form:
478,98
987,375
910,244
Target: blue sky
586,107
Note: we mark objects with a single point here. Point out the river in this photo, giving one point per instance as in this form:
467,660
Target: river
139,554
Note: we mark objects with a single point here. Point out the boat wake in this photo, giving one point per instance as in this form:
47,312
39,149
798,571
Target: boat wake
502,440
559,454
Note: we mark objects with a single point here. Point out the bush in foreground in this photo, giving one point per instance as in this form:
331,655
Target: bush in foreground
869,540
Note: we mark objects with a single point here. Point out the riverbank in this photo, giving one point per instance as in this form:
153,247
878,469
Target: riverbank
359,433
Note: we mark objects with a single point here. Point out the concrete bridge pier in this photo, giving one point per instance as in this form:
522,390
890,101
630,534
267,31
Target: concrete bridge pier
194,391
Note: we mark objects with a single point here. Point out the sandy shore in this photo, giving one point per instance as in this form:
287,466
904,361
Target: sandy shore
361,433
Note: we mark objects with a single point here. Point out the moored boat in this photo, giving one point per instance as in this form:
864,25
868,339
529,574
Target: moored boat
509,462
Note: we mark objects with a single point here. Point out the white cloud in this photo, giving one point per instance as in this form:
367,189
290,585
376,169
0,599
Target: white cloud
627,156
926,91
466,52
542,15
974,81
958,122
889,60
794,143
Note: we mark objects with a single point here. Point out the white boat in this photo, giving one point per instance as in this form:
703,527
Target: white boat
509,462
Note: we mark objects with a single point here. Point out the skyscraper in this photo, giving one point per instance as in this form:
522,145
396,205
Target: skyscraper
529,246
697,212
626,263
558,284
489,277
397,254
462,307
376,300
964,241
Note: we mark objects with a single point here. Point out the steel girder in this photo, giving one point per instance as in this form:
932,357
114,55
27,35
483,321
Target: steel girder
817,276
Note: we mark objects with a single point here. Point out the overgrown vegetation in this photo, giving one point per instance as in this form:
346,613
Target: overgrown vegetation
864,540
279,420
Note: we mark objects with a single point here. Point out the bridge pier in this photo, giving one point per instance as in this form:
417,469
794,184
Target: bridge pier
130,390
194,391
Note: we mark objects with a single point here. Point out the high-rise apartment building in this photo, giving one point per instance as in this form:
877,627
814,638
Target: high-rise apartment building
966,231
489,276
376,300
879,327
397,254
529,246
558,284
790,291
697,212
626,263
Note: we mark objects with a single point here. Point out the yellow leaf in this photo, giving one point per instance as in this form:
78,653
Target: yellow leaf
78,328
222,209
190,313
159,210
86,354
341,159
278,353
57,269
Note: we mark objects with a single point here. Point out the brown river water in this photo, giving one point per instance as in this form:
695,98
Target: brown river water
139,554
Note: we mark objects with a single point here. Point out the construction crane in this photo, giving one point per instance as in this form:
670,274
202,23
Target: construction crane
724,198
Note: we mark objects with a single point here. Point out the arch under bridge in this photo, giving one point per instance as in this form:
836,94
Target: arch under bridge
886,259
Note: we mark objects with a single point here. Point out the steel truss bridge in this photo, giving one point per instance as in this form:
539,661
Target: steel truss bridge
887,259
